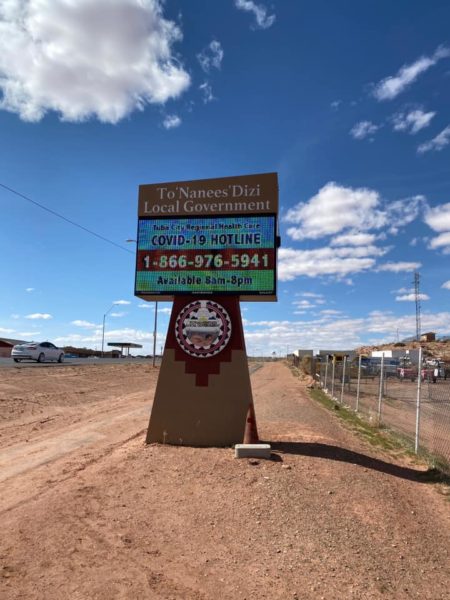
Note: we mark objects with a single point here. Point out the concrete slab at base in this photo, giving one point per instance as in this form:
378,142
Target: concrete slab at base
252,451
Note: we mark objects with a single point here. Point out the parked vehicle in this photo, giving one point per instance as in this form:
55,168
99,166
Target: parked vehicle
39,352
371,366
433,370
406,369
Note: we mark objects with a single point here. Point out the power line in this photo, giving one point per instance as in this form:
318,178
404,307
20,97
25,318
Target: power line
49,210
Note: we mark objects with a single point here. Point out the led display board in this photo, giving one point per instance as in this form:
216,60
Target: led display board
208,237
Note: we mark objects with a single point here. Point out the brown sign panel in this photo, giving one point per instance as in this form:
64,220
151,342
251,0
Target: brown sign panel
244,194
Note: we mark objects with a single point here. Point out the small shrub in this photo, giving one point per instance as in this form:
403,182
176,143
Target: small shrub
306,366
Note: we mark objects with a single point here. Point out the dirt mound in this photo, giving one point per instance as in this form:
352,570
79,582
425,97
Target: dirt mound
439,349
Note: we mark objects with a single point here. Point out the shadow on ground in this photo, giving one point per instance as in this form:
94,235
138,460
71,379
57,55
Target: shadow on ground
343,455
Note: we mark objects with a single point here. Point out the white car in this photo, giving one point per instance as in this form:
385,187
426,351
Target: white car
37,351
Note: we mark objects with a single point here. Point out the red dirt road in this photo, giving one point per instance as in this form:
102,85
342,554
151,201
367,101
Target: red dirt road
90,512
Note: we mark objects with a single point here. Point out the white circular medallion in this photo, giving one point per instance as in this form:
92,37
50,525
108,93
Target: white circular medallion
203,328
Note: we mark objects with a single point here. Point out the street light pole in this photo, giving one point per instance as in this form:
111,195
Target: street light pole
103,331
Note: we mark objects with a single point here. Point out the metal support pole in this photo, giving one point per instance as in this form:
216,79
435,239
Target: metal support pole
326,373
343,379
419,386
358,384
380,394
103,333
332,378
154,332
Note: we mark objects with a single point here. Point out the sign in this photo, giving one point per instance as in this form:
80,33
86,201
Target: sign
213,236
203,328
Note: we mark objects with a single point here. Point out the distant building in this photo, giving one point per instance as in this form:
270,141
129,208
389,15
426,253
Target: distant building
297,356
386,353
302,353
122,346
6,345
412,354
428,337
338,354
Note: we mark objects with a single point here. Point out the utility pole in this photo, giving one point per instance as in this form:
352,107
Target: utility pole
417,298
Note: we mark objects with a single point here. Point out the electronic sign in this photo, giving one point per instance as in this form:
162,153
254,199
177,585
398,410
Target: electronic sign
208,237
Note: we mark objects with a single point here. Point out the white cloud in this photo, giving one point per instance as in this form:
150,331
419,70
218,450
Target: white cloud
392,86
398,267
413,121
30,289
363,129
438,218
442,241
405,211
354,239
85,59
84,324
337,262
337,208
124,302
44,316
117,314
171,121
310,295
263,20
438,143
3,330
411,297
28,334
162,310
446,285
211,56
207,92
335,104
333,209
304,304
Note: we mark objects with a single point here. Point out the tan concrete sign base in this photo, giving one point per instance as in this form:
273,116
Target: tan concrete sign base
202,400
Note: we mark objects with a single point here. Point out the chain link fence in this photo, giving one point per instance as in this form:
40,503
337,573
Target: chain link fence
415,407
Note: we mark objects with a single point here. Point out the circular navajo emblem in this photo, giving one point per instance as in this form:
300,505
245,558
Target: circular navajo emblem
203,328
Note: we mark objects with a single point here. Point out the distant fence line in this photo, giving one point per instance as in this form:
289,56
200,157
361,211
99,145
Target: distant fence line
417,408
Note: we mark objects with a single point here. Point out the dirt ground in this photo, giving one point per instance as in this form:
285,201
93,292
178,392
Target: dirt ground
88,511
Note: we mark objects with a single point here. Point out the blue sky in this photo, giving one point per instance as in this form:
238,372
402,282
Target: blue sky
347,101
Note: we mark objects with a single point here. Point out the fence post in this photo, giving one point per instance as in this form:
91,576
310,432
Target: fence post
326,374
358,384
380,394
332,379
419,387
343,379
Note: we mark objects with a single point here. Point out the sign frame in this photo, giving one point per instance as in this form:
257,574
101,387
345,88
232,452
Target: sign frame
227,197
154,295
